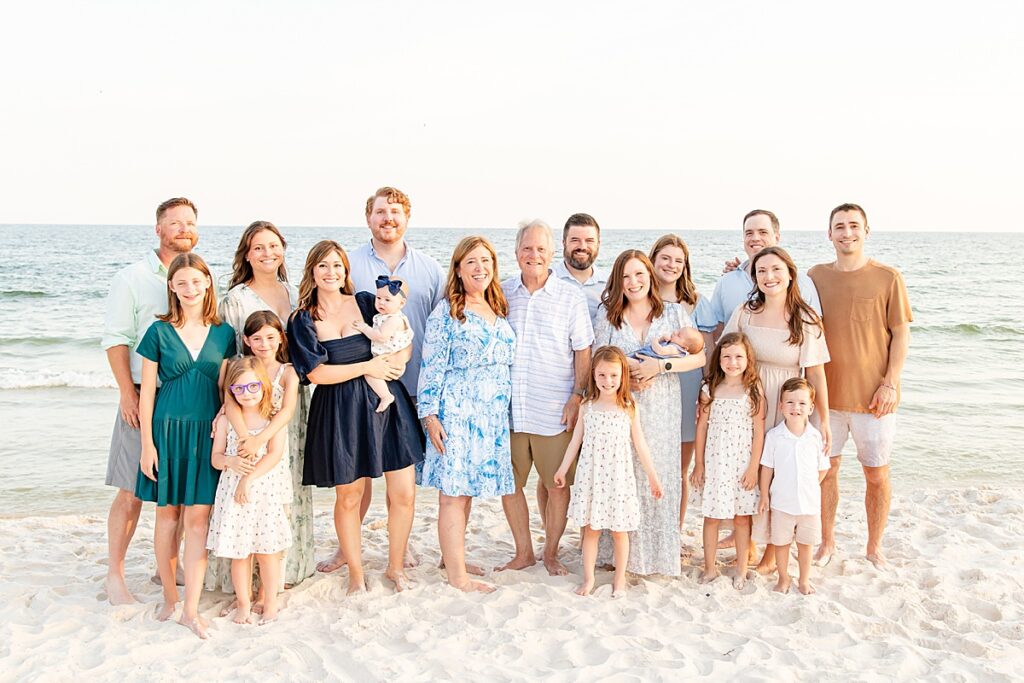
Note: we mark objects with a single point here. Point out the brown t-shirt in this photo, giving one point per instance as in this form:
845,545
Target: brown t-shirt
859,309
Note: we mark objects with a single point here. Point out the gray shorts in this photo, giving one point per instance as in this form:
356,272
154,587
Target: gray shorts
125,455
872,436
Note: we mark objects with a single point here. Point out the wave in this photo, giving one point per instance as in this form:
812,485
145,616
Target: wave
15,378
81,342
969,329
23,294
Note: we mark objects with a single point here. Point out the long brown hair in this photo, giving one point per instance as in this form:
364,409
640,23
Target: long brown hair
252,364
798,311
256,322
685,289
614,295
308,300
751,380
456,293
241,268
623,396
175,315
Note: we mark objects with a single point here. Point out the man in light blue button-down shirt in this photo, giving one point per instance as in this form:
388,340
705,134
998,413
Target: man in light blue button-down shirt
581,243
138,294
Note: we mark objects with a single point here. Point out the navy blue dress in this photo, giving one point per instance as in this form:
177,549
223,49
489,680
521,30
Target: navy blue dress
346,439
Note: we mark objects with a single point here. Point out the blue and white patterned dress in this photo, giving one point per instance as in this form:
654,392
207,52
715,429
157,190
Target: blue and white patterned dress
465,380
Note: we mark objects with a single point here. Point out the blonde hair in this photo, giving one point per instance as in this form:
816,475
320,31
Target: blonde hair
239,367
456,293
175,314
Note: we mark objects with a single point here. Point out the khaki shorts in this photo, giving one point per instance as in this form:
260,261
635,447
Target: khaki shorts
125,455
543,452
872,435
806,528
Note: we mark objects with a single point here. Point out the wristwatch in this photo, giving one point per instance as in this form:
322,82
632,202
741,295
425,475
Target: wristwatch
666,366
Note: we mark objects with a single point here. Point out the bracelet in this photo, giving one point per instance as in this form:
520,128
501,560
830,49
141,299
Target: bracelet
888,386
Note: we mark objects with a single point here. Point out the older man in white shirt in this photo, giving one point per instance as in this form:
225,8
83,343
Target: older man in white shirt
553,337
138,294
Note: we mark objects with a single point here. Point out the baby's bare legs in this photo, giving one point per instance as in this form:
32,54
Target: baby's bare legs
590,537
380,387
741,531
710,550
804,556
241,579
620,548
270,577
782,563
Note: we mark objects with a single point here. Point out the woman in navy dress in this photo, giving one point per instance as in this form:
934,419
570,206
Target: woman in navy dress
347,442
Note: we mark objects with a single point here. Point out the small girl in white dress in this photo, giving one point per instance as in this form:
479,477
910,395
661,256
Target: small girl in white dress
730,434
248,517
604,495
390,331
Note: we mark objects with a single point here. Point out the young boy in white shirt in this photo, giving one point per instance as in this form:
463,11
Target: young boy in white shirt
793,463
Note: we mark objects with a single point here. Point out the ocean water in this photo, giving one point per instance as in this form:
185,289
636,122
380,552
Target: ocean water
960,420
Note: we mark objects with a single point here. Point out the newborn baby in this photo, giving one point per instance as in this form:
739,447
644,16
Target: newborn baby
680,343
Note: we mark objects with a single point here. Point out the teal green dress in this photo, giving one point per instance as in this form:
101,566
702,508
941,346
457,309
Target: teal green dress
186,404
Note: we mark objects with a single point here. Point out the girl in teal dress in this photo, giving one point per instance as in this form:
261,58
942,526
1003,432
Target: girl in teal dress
187,350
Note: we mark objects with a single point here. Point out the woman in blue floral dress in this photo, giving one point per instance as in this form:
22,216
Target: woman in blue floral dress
464,390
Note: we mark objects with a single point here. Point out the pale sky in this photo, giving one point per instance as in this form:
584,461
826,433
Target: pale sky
670,115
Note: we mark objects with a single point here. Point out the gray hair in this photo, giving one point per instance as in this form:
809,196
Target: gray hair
535,223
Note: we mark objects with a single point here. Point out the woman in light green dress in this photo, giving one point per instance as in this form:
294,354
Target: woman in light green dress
260,283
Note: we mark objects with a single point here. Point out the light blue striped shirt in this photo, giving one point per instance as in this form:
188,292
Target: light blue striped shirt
550,325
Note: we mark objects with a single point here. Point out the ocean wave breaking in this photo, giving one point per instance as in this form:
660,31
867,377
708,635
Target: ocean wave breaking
16,378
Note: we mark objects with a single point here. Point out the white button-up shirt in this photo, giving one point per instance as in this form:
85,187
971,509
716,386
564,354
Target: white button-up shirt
550,325
138,294
797,460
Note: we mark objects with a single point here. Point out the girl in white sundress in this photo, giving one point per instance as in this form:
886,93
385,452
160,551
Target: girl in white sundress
248,517
730,434
390,331
605,493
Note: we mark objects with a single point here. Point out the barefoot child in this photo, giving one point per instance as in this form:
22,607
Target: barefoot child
390,332
605,492
793,464
249,516
730,432
681,342
187,350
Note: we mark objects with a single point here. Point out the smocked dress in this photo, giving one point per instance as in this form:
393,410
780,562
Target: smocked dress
604,495
654,546
465,380
237,530
235,308
726,457
186,404
346,439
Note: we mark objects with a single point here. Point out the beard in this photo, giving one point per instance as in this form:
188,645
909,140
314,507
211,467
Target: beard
182,245
580,259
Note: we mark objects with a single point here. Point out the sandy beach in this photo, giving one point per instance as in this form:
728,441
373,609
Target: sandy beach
951,607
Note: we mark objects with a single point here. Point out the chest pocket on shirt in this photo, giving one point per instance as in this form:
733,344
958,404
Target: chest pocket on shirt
863,309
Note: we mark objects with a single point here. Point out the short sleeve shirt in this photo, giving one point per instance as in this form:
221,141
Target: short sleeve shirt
734,288
859,310
551,324
138,294
796,460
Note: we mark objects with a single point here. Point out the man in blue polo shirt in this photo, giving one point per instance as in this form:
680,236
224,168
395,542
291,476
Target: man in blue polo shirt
760,231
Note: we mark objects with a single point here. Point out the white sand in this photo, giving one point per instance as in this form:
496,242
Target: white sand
951,608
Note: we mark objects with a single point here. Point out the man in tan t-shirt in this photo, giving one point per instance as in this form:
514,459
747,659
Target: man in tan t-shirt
867,317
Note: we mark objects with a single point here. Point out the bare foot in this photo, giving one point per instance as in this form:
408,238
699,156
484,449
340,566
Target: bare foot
739,581
385,403
806,587
336,562
399,579
619,588
232,606
585,588
727,542
708,576
824,555
257,607
685,551
243,614
410,559
471,586
878,559
117,592
517,563
783,585
196,625
165,611
767,566
474,569
555,568
358,586
269,617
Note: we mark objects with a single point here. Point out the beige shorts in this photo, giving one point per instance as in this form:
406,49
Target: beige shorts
543,452
806,528
872,435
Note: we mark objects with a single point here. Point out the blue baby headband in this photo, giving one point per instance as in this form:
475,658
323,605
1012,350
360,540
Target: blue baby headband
394,286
